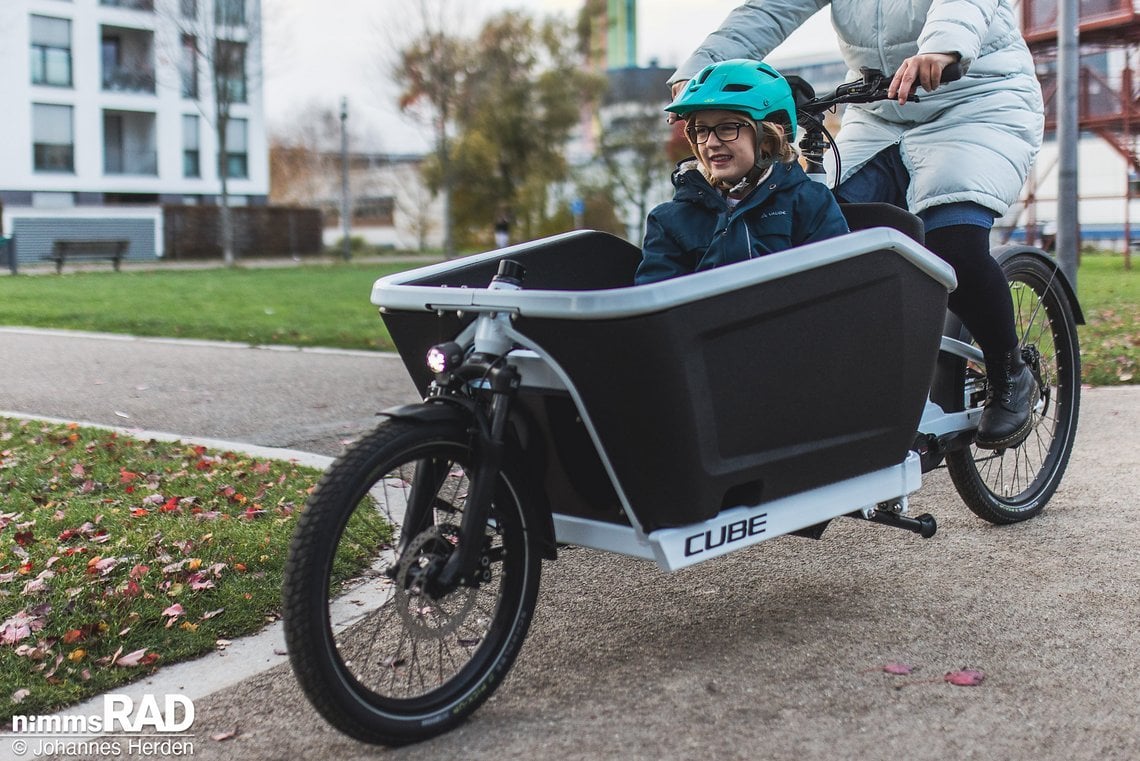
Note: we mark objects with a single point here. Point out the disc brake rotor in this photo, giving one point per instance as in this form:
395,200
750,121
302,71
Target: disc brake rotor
422,614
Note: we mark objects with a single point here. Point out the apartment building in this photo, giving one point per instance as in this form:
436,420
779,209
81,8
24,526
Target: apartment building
108,114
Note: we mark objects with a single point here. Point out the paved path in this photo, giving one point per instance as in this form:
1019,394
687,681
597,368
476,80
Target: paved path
307,399
775,652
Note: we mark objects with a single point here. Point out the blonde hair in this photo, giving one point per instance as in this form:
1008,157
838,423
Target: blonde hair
775,144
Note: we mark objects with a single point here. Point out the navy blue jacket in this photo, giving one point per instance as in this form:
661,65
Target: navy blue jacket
698,231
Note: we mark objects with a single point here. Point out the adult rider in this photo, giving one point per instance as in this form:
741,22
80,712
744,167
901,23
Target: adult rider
957,159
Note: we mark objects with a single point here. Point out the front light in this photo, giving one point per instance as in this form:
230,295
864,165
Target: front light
445,357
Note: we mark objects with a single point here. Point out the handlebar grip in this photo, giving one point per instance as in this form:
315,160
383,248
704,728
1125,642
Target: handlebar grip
951,73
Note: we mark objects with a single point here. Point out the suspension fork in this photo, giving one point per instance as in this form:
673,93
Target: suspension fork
429,476
491,432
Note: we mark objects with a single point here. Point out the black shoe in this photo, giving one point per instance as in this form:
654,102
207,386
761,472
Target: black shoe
1011,396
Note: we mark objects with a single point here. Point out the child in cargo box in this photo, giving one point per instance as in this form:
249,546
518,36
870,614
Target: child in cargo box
744,194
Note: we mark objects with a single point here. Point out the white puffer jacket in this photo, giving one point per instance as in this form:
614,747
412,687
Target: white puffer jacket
971,140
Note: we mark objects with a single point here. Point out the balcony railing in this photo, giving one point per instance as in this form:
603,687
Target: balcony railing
128,79
130,162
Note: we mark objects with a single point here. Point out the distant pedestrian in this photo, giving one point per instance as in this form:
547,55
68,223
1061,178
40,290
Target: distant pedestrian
502,229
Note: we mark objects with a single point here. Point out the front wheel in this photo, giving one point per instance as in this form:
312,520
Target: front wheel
1011,485
378,656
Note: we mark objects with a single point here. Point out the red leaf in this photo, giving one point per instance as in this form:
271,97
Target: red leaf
24,538
72,636
170,506
965,678
126,476
220,736
174,610
198,582
78,470
139,512
899,669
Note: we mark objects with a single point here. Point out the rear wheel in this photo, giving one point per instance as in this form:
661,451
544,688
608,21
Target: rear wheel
377,655
1011,485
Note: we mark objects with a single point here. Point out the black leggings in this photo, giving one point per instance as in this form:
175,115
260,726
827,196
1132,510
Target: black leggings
981,299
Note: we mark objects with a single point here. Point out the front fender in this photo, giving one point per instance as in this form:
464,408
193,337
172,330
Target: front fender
461,413
435,410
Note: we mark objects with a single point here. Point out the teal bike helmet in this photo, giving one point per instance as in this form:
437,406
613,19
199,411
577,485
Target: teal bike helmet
751,87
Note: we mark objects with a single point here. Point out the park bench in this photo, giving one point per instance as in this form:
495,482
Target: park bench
87,250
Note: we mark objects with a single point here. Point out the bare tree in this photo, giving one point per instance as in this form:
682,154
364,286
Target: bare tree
633,150
220,44
413,204
431,71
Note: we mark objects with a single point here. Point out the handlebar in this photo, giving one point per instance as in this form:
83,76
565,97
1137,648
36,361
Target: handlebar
871,88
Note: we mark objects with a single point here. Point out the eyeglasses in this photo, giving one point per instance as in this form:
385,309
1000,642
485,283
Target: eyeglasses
726,132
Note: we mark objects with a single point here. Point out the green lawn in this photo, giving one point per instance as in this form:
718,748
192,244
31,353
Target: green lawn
119,555
1110,339
314,305
328,305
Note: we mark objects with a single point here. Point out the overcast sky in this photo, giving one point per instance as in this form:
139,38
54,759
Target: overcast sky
315,55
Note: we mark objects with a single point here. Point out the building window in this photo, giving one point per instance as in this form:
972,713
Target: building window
236,164
130,199
188,66
229,71
53,138
51,51
128,60
375,210
191,147
138,5
229,12
129,142
189,9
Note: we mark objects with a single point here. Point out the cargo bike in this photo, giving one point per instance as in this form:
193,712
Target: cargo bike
674,422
